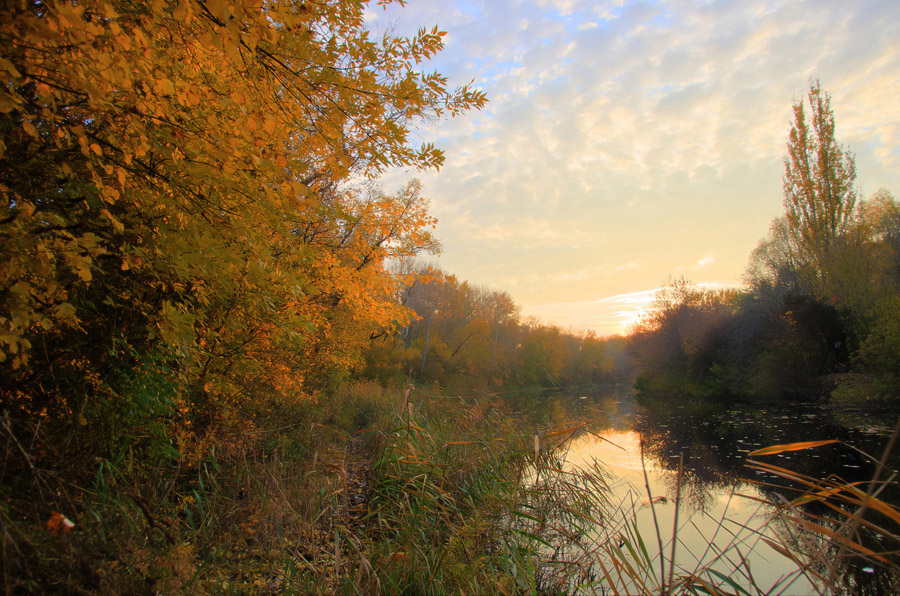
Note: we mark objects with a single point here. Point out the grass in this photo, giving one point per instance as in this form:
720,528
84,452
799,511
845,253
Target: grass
835,527
410,492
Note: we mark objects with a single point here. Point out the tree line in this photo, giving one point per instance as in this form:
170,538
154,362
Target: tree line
821,310
466,336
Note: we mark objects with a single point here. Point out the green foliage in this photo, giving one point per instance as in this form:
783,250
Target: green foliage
879,352
140,419
823,286
441,478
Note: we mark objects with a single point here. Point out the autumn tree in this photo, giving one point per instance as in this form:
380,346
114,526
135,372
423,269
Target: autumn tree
818,183
878,218
194,178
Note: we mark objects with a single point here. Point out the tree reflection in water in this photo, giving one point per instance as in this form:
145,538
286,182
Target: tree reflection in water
715,439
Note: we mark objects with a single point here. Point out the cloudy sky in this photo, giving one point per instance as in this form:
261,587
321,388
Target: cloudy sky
625,142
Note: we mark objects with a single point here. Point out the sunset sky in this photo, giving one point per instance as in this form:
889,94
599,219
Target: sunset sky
625,142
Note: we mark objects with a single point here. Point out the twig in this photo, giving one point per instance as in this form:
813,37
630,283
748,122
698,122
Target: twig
142,505
37,479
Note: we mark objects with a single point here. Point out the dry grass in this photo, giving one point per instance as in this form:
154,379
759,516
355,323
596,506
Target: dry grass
437,495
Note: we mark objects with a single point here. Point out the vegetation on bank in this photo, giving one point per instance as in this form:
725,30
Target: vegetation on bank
195,261
463,336
197,272
414,503
820,310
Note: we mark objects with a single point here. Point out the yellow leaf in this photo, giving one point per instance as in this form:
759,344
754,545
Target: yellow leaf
9,67
84,272
567,430
65,310
29,128
124,42
115,222
182,13
96,149
790,447
165,87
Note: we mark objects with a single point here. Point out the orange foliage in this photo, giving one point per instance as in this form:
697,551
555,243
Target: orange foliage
178,174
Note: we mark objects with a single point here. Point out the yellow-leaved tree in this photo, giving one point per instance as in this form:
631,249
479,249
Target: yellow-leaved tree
193,179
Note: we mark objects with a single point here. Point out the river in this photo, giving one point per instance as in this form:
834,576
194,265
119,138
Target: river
724,526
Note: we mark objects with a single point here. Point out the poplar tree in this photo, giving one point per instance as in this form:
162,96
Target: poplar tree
818,183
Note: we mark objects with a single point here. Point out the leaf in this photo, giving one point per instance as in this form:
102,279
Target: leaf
9,67
571,429
820,495
781,550
533,537
118,225
790,447
65,310
58,523
83,270
876,504
729,581
29,128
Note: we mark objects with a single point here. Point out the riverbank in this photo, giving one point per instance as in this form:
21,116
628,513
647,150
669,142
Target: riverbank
373,491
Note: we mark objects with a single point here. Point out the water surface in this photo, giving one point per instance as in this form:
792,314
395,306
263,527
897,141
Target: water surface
722,509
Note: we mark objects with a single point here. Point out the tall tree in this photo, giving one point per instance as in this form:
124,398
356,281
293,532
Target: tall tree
818,182
184,175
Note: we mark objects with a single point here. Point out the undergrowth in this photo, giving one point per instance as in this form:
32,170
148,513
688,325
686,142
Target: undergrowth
378,491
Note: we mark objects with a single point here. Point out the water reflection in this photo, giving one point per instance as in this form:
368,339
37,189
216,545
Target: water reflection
711,520
721,497
716,439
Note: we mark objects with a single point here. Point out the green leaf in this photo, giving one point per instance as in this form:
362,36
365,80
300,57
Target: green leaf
65,310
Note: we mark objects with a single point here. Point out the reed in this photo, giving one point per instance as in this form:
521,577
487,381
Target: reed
835,527
434,495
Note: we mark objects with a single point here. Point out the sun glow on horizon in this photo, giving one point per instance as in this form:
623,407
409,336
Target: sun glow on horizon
611,315
621,144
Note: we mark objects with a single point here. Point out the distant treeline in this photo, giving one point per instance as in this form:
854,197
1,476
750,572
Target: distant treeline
466,336
821,312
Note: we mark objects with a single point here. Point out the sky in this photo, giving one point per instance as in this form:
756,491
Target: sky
627,142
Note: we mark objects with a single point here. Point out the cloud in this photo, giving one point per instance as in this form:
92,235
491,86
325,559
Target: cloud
639,132
704,261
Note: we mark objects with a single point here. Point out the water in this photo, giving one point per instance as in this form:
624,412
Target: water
723,506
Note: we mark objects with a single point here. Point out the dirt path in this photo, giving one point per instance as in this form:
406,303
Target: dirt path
359,460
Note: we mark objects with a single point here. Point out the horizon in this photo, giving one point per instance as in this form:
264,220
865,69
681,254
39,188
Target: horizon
629,143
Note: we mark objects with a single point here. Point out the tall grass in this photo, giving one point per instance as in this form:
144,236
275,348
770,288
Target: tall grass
836,529
403,491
